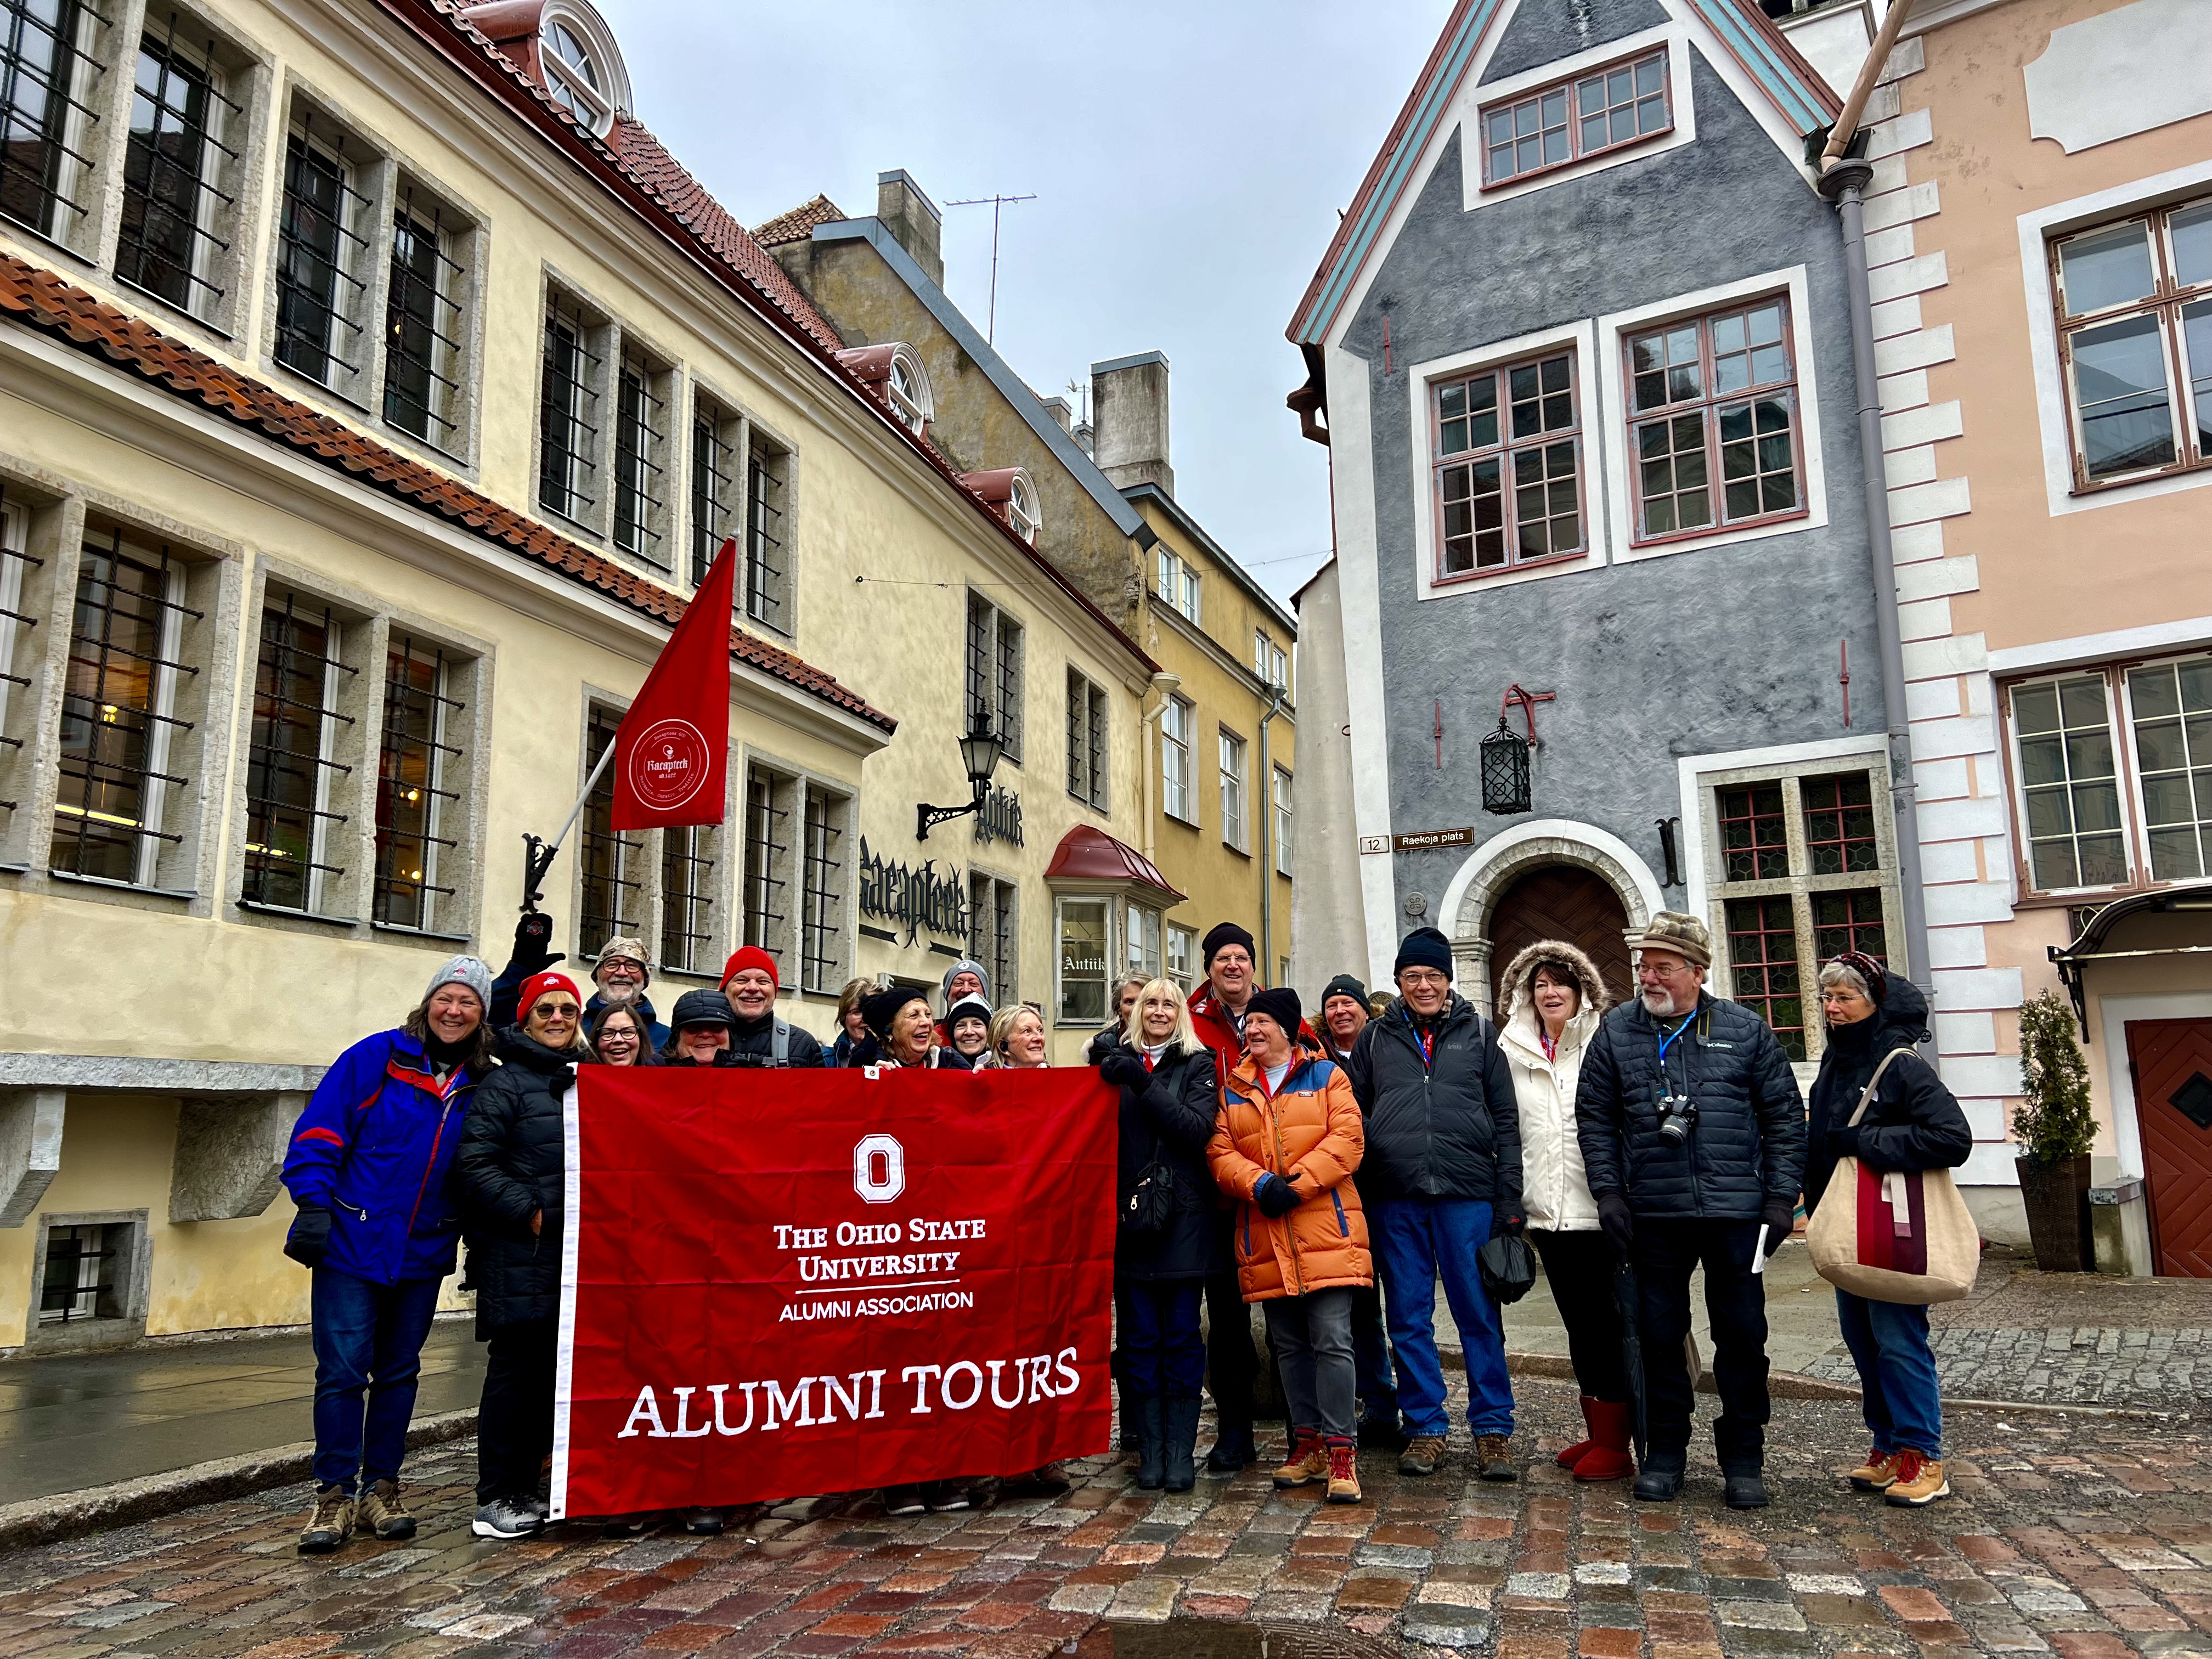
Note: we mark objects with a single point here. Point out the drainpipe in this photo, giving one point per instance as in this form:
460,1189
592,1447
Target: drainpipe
1266,806
1164,683
1842,181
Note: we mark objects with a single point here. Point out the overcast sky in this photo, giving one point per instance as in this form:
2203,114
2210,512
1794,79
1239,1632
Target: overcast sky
1189,159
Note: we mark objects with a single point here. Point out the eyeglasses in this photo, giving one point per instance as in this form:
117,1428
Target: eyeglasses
621,965
1656,971
617,1035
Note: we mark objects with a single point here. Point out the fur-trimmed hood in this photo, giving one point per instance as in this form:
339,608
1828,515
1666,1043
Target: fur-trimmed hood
1520,973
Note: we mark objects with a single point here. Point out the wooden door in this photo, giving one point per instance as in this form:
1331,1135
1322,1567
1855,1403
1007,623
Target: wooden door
1563,902
2171,1061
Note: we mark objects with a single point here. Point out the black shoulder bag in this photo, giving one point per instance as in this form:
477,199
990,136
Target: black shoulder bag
1149,1205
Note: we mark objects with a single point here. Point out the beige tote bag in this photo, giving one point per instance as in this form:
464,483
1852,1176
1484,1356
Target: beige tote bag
1895,1235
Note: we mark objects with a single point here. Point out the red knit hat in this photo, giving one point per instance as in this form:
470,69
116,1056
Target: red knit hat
536,986
750,956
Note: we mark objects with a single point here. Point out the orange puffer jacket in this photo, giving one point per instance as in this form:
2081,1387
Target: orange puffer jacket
1311,1126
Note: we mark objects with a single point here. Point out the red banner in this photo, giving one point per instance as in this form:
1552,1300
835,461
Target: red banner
781,1283
672,752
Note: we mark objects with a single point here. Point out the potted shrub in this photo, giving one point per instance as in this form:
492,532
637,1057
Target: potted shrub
2054,1127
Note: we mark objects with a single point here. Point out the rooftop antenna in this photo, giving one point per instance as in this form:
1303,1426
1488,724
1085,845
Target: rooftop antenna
1080,391
996,203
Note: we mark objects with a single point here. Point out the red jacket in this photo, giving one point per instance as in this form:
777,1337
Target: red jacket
1217,1029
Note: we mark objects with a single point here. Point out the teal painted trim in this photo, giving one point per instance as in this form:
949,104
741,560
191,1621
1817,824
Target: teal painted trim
1792,97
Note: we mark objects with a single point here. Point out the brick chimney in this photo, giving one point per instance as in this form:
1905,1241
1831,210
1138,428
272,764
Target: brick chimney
913,218
1129,415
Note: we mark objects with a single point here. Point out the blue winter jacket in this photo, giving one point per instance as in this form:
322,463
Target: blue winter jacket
373,1148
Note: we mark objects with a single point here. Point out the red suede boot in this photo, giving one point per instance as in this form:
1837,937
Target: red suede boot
1582,1448
1608,1459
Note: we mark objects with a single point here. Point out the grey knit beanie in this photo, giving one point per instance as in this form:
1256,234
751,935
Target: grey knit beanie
463,970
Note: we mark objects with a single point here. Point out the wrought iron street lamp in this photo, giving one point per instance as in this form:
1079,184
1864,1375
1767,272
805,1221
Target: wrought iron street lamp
979,754
1504,771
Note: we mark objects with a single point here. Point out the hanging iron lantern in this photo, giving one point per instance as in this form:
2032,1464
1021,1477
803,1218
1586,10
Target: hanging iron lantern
1504,772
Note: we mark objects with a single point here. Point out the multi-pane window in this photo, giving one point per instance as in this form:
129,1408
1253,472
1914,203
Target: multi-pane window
1602,111
1840,824
1754,832
290,765
994,933
714,434
1088,761
425,325
48,108
1140,940
612,861
178,218
1177,584
568,413
81,1280
768,552
415,781
822,893
687,897
2135,322
1713,412
1080,934
16,563
1508,451
1023,512
1282,805
1182,956
1849,921
1232,792
1762,936
909,393
1178,789
641,476
2070,783
768,846
2172,707
121,736
1269,661
320,257
994,672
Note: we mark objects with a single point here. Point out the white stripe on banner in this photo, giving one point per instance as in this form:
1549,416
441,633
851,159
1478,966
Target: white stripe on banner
572,1181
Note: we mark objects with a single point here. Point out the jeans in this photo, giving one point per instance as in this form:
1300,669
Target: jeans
1888,1342
515,1424
1311,1337
1581,1267
1667,1252
1371,1357
1417,1240
1162,1349
368,1340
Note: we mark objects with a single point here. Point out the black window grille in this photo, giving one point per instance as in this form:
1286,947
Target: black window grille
1086,740
411,796
175,210
46,103
290,772
16,566
423,328
979,615
713,472
994,671
1009,685
764,591
991,939
568,408
117,730
823,895
764,851
639,417
80,1279
687,897
318,259
611,860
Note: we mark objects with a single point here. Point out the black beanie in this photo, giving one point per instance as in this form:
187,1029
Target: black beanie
1279,1004
1425,947
1345,986
702,1008
880,1008
1224,934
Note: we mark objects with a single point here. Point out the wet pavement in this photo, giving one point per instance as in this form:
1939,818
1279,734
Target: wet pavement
2091,1538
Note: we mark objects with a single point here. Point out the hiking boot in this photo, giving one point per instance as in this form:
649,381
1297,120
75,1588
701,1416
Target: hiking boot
905,1500
331,1522
1343,1472
506,1517
383,1512
1494,1453
1308,1459
1422,1454
1876,1473
1917,1479
1745,1491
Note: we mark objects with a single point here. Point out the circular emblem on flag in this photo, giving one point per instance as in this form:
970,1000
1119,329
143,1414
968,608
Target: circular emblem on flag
668,764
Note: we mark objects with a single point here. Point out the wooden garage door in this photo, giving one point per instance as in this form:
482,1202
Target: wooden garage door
1561,900
2171,1060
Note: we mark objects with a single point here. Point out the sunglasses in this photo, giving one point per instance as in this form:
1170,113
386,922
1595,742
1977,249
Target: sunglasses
558,1009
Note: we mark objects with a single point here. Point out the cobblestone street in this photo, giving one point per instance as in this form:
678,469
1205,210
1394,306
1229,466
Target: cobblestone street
2087,1536
2090,1364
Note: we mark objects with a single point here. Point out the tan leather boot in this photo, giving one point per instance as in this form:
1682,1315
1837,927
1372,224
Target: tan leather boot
1308,1459
1919,1481
1343,1472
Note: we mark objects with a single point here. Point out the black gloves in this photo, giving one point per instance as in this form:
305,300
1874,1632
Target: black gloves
532,935
1124,1069
1275,1196
1780,1215
310,1237
1842,1141
1507,1222
1614,1217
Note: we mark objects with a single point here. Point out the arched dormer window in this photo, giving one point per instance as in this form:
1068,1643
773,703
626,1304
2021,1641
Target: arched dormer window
909,390
1022,509
581,66
1012,495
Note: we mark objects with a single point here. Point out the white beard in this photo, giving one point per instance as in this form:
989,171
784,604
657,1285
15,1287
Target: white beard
1661,1004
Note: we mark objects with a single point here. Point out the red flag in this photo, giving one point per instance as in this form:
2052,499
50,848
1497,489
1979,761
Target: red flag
671,755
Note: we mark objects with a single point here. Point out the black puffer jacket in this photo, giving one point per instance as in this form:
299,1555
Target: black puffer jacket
1748,1143
1913,1122
755,1045
1175,1111
1442,1128
510,1166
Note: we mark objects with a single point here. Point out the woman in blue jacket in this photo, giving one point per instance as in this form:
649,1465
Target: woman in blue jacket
368,1169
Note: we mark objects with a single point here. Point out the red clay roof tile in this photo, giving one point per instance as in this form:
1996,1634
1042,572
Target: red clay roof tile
799,223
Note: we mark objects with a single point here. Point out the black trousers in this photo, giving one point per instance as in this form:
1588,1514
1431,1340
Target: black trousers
1231,1362
1666,1254
1580,1267
515,1424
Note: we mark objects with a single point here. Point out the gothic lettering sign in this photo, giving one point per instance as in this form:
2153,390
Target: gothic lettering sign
914,898
1000,818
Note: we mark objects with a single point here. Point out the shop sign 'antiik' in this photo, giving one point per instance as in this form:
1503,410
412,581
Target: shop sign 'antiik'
914,898
999,818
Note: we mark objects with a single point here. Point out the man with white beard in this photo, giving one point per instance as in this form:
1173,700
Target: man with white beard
1692,1133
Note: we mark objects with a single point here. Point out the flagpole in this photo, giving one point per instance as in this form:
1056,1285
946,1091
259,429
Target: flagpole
538,856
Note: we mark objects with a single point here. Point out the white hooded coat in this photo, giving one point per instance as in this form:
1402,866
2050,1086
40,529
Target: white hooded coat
1554,1192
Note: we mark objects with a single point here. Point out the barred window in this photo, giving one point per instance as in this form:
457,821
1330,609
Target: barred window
687,897
768,578
1087,758
714,434
16,622
121,780
768,846
994,671
290,771
425,325
568,413
641,439
994,933
320,253
49,105
1763,957
415,795
610,861
178,219
822,894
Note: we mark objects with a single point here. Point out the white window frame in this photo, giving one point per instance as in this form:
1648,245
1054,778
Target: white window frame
1022,511
906,387
1181,952
1178,584
2119,732
1178,788
603,102
1105,905
1281,804
1140,942
1236,787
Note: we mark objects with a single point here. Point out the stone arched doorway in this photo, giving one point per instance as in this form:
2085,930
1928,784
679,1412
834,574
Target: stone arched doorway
1472,898
1565,902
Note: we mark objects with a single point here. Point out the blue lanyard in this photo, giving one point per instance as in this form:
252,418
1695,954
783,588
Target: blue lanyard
1667,1038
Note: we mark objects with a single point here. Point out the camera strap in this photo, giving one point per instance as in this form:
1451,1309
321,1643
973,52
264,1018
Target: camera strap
1666,1038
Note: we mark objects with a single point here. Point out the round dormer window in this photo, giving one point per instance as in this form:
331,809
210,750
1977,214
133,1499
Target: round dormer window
582,70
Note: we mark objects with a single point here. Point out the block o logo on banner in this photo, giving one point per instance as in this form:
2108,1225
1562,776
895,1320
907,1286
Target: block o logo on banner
668,764
878,1168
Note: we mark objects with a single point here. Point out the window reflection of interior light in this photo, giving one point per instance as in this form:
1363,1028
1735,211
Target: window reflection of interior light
97,817
107,713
